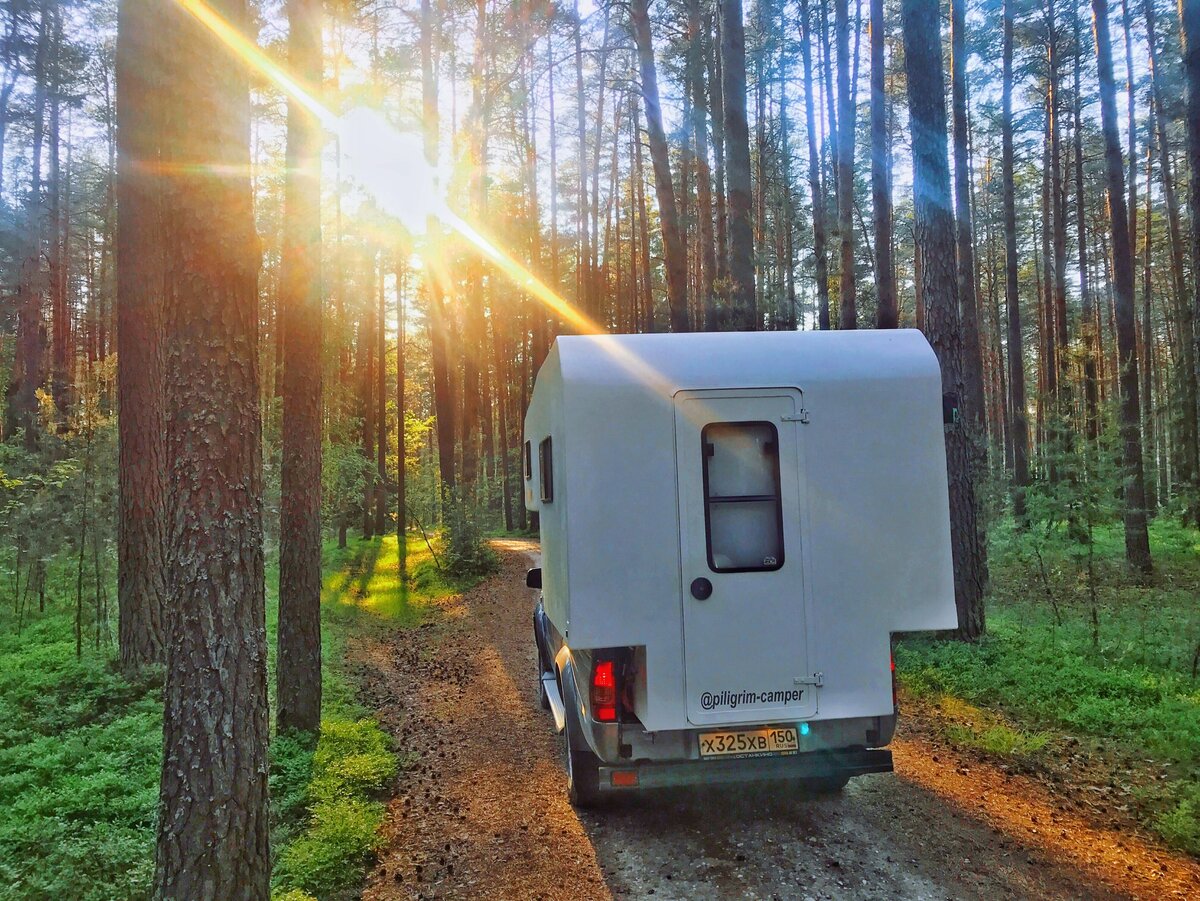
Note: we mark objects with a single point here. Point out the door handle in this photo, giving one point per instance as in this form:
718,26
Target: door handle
701,589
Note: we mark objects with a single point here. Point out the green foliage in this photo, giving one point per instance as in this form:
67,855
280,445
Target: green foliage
997,739
1180,825
292,895
345,475
1085,653
80,751
465,551
352,763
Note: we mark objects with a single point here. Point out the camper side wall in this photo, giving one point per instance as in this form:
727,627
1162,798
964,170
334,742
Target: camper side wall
545,471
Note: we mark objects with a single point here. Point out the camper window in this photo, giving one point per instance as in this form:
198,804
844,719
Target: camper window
528,460
545,466
743,515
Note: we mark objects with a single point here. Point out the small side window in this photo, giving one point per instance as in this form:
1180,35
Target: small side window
546,469
528,460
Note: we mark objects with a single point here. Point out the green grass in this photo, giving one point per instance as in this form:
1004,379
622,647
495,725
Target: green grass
80,746
328,801
1123,678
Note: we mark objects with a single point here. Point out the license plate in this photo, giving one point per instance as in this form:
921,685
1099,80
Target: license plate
750,742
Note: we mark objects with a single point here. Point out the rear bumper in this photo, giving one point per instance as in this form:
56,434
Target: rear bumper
809,765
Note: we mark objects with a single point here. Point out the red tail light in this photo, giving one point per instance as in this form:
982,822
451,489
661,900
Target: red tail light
895,693
604,692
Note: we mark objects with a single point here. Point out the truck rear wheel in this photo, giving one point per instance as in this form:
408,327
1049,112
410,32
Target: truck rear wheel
581,763
583,771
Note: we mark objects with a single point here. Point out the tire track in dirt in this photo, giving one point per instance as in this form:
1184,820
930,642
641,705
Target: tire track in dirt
481,812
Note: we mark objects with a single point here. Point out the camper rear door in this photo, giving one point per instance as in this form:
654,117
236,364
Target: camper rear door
741,504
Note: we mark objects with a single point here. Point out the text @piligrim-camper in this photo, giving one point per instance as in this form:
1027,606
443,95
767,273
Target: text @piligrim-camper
710,700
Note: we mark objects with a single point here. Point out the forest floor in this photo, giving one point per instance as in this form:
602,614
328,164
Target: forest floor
480,811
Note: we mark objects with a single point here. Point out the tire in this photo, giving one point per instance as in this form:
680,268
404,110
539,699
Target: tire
581,763
583,772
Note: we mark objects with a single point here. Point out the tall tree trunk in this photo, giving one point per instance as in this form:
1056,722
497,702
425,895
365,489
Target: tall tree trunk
141,426
1091,399
717,111
674,250
1189,428
1137,541
887,313
542,348
583,278
847,309
737,154
60,317
443,399
213,823
1147,372
935,235
786,211
967,301
298,662
708,251
597,287
648,322
380,392
401,409
1189,16
23,411
816,189
366,391
473,320
1059,232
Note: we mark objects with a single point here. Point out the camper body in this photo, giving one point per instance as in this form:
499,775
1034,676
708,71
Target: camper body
732,527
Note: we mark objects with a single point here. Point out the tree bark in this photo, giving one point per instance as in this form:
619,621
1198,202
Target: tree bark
935,235
717,113
1189,16
298,662
583,279
23,411
365,353
737,155
674,250
887,313
1058,205
708,252
965,238
1189,428
443,399
847,309
1087,327
141,590
1137,541
213,825
381,429
815,187
401,408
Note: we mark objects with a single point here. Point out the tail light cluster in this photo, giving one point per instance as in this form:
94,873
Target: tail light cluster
604,691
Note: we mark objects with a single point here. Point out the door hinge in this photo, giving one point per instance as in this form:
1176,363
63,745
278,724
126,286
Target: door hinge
800,417
817,679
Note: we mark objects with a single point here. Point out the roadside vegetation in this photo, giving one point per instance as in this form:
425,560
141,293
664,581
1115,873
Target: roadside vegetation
81,745
1082,660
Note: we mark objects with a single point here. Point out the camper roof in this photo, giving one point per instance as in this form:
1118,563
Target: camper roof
671,362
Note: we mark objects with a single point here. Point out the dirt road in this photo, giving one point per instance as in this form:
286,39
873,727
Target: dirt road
481,811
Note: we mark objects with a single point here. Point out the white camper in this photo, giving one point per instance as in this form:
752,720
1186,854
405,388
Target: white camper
732,527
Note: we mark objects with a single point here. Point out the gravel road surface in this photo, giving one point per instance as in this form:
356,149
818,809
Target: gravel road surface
480,811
